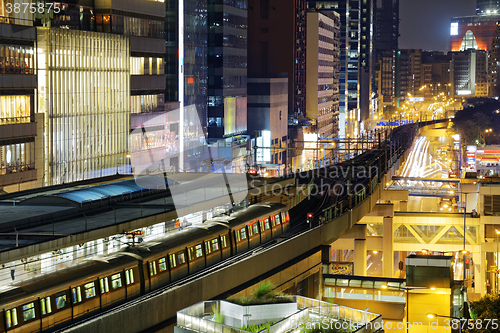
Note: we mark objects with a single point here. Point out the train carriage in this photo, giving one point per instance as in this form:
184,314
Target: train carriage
86,287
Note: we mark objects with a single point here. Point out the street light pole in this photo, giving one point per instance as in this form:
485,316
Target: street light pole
498,233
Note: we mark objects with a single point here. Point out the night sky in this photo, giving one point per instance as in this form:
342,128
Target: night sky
425,24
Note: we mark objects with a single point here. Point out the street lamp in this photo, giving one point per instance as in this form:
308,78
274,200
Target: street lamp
433,315
407,302
498,233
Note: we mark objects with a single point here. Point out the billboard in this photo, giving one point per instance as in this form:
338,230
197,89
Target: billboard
471,157
235,115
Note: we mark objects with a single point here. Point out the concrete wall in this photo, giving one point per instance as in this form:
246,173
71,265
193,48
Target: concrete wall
234,314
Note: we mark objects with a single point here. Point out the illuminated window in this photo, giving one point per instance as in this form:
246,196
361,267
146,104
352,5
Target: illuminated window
45,305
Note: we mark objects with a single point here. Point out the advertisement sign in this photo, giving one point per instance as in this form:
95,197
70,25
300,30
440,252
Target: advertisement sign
471,157
415,99
342,268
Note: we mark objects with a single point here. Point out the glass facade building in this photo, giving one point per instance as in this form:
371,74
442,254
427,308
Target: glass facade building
186,68
227,68
84,92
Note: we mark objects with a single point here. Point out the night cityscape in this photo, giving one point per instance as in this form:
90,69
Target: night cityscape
250,166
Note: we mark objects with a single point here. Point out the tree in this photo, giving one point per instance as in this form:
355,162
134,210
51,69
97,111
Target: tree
486,308
473,121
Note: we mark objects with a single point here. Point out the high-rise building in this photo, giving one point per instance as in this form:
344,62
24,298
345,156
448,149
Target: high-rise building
277,44
487,7
21,165
494,64
385,79
410,72
323,65
473,32
436,74
97,63
227,68
186,34
387,25
356,59
470,73
267,116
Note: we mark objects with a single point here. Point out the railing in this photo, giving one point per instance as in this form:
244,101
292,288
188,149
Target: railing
15,120
301,195
193,319
197,318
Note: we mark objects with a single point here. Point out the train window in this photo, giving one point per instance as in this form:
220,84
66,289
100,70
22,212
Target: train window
29,311
11,318
152,268
261,222
267,223
215,244
208,249
191,253
199,251
45,305
172,261
250,234
77,295
243,234
116,281
238,238
61,300
162,264
181,257
89,290
223,242
277,218
104,285
255,228
129,276
273,221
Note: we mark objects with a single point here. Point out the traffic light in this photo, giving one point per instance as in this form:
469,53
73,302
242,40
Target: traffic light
309,217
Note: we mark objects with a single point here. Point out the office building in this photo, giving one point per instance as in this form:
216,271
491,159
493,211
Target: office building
410,72
387,25
470,73
21,164
186,34
268,121
385,80
493,65
437,74
473,32
277,44
323,65
227,69
356,60
97,63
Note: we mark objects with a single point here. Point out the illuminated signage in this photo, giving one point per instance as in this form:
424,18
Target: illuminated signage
454,29
464,92
415,99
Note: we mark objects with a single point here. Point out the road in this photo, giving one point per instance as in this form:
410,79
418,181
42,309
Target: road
426,160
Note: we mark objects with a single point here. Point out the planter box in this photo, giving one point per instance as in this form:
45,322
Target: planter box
245,315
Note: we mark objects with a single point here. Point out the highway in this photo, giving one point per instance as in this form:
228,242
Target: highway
425,161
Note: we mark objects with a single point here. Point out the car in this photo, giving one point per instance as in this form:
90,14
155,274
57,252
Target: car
447,204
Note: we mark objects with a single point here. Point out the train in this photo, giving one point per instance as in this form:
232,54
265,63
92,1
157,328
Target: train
50,301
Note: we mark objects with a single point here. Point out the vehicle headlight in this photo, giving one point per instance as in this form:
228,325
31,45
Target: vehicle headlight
445,206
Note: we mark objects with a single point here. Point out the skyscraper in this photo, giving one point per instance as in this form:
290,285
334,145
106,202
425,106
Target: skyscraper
186,34
356,65
387,25
227,68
